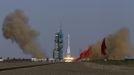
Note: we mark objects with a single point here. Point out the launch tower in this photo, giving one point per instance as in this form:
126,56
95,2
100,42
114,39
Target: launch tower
58,50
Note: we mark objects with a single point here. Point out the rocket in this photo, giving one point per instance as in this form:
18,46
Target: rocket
68,48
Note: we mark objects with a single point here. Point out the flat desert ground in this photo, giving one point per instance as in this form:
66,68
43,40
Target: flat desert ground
77,68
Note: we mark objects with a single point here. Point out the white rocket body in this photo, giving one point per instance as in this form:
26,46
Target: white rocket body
68,48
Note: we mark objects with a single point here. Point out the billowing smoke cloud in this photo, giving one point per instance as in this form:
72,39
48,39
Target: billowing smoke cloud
118,46
96,51
17,29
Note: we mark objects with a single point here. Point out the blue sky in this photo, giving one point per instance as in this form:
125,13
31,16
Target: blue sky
87,21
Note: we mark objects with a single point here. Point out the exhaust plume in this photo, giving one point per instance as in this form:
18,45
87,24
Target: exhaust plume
96,51
119,45
17,29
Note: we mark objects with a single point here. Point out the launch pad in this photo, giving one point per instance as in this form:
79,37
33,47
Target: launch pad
69,59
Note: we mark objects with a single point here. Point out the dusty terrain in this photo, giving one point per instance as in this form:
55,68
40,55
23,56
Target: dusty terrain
66,69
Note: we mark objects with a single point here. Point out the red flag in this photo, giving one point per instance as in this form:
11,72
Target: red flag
103,47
